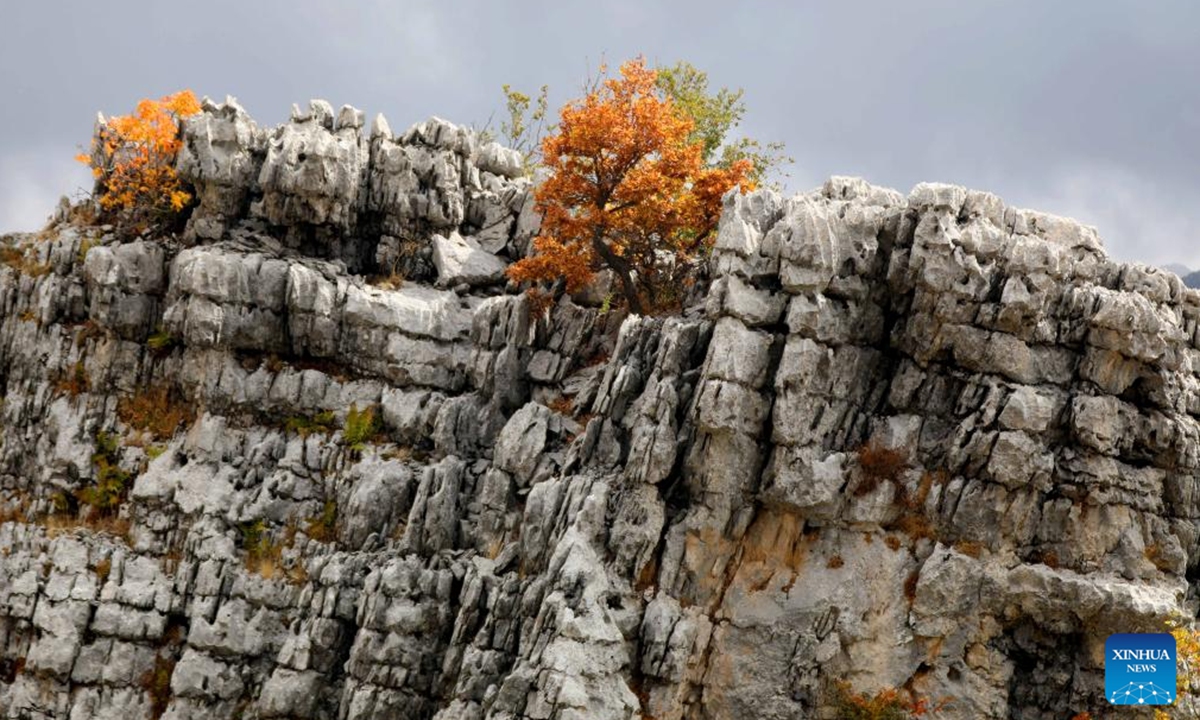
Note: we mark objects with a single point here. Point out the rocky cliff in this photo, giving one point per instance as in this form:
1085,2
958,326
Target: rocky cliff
314,458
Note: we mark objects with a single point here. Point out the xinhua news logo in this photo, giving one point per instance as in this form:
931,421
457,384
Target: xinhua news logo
1139,669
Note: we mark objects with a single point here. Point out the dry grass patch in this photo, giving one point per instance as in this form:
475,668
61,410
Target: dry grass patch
910,586
392,281
887,704
156,410
970,548
74,382
16,509
915,525
263,555
103,568
402,453
562,405
56,524
170,560
19,260
157,684
323,527
297,574
86,331
879,464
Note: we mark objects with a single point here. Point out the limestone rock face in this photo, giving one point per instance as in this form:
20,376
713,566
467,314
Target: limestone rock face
926,442
374,202
313,172
461,260
221,156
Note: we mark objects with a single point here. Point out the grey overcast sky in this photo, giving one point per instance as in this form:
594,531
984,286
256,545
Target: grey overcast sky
1088,108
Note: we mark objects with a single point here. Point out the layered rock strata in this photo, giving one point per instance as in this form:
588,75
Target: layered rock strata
929,442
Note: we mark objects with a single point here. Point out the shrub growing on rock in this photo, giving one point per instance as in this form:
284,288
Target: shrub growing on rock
628,190
362,426
323,527
133,160
1187,658
305,425
262,552
714,115
112,483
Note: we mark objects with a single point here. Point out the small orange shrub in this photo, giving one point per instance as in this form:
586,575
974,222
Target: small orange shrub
133,159
924,487
1187,657
627,185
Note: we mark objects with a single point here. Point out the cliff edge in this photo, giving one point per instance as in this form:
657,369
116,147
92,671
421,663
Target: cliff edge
929,442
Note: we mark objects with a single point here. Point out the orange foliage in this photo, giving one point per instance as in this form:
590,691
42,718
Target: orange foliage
133,158
1187,654
887,704
156,411
879,463
627,191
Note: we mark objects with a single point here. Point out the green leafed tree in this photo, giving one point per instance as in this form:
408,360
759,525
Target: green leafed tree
525,124
715,115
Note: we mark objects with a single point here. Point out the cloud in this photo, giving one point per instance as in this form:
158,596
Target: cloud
31,182
1139,218
1083,114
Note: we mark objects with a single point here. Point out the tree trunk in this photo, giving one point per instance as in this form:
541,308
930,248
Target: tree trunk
621,267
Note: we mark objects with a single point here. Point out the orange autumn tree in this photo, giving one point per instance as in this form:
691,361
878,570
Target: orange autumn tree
627,191
133,160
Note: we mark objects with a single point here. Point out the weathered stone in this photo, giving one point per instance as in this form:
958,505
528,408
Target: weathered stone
927,442
461,260
520,444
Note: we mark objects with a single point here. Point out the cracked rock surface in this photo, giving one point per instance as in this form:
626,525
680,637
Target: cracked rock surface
927,442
